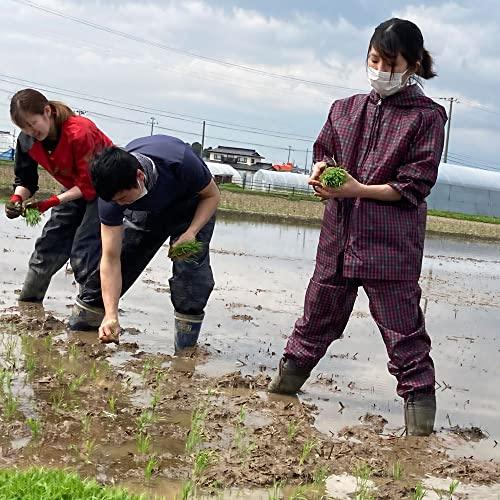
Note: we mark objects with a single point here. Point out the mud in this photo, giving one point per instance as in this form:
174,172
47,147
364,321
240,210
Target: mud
89,398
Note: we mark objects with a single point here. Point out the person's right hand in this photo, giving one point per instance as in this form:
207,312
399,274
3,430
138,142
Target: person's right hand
14,207
109,331
317,170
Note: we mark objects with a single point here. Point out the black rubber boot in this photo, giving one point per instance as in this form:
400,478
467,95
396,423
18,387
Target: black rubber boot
34,288
85,318
187,330
289,378
420,413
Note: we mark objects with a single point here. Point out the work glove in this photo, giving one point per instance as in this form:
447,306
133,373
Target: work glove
44,205
14,207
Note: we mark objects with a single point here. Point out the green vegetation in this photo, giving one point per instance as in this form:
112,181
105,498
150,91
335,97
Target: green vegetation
457,215
186,250
33,216
286,194
34,484
333,177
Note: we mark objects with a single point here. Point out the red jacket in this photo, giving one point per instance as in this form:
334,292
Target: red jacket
79,140
397,141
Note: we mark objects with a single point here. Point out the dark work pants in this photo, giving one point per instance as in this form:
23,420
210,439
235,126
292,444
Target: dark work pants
72,232
192,281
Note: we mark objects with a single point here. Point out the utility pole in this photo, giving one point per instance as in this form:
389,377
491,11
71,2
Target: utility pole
451,100
203,139
153,123
307,156
289,150
80,112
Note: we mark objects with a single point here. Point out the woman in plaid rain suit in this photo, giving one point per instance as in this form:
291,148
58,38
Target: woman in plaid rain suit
390,141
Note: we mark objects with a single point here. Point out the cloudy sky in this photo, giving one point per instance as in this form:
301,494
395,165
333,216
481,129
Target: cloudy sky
262,74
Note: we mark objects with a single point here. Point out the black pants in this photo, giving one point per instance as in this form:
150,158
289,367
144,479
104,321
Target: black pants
72,232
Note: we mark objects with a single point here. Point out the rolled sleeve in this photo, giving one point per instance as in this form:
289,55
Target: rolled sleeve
416,177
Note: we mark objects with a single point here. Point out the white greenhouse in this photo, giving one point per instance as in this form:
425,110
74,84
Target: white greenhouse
270,180
223,172
467,190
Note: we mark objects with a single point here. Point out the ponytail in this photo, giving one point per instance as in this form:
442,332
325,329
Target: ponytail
426,70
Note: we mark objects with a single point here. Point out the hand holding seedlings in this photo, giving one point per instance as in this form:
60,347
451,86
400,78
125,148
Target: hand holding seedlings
184,250
109,331
333,182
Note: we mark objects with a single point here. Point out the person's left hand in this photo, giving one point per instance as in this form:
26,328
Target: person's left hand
43,205
188,235
350,189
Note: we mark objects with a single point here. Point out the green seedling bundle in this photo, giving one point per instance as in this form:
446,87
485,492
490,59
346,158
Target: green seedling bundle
185,251
333,177
33,216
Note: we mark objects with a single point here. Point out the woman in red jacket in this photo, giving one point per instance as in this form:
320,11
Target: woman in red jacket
62,143
390,141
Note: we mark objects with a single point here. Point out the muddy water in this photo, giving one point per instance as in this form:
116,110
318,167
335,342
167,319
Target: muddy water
262,271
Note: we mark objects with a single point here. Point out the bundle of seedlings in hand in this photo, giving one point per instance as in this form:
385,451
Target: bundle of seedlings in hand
186,250
333,177
32,216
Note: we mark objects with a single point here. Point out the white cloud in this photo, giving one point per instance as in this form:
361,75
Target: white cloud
48,49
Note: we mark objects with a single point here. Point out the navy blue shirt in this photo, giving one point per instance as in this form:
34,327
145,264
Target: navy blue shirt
181,176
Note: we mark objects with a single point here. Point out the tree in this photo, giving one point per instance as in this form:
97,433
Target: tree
196,148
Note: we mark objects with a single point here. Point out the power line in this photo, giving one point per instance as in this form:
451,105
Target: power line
191,133
183,52
144,109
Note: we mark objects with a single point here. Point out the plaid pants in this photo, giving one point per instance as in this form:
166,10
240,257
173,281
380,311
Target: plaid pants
394,305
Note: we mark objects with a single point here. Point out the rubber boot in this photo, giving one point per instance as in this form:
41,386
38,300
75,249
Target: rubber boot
289,378
420,412
187,330
85,318
34,288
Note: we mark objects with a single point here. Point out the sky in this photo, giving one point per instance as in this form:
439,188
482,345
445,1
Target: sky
262,74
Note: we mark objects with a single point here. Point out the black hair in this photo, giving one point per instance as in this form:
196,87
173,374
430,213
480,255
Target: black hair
113,170
399,36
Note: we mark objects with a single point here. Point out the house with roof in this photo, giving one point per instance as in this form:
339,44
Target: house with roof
245,161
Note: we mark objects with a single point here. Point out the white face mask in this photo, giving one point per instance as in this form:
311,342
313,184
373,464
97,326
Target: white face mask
385,83
144,191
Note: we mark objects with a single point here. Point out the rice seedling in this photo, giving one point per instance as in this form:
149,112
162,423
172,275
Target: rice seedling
202,460
397,470
307,448
319,476
86,423
333,177
88,450
195,434
76,383
73,351
33,216
93,371
143,443
112,404
419,492
275,493
34,426
292,430
363,491
155,399
143,420
300,493
186,250
10,406
453,486
187,491
150,467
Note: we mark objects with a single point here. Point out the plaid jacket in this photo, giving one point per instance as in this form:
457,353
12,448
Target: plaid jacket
397,141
